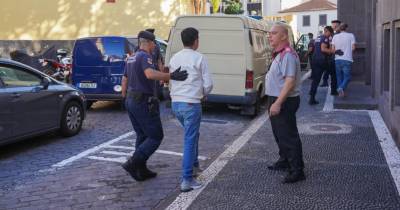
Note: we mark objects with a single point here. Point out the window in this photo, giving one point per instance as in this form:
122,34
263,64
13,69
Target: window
306,20
386,58
12,77
322,20
397,65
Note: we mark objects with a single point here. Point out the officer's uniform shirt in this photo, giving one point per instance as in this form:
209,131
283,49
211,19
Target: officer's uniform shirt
318,54
134,71
156,54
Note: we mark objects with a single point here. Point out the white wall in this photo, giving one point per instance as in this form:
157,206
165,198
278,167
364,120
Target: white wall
271,7
297,23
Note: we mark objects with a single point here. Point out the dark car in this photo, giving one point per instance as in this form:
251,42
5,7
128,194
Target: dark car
98,65
32,103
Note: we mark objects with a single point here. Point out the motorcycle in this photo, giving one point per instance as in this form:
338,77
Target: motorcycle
59,69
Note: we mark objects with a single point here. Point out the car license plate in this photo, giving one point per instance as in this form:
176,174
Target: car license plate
88,85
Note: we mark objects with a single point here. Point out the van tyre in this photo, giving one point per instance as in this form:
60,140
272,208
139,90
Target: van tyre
71,119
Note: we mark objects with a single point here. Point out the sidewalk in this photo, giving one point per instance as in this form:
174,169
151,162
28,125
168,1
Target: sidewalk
345,164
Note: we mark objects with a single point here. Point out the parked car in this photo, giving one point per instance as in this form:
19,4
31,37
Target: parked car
98,65
33,103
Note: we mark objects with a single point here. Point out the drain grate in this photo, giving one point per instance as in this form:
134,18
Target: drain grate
324,128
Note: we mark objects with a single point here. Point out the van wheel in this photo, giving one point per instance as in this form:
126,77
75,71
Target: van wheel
71,119
257,106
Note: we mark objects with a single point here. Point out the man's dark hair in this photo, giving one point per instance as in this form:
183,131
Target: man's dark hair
329,28
189,35
336,21
151,30
310,35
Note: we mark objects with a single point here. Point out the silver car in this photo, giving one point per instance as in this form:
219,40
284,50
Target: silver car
32,103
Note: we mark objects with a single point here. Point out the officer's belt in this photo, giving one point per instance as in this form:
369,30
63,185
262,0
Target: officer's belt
138,96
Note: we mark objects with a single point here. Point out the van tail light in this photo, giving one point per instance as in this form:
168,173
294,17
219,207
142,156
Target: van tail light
249,79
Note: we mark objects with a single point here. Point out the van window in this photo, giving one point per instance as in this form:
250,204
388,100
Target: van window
99,52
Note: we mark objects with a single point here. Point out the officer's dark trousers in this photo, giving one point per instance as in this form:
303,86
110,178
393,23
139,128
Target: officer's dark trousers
284,128
148,128
331,71
318,67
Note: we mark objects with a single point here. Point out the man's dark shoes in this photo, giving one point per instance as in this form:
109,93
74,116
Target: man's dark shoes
147,173
294,177
279,166
312,101
133,171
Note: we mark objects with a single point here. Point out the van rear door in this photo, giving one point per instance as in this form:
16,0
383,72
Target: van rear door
98,64
222,41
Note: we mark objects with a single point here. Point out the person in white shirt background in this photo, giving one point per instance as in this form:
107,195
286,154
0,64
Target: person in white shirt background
186,102
343,46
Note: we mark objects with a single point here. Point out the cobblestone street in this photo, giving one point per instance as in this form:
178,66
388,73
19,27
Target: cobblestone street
346,167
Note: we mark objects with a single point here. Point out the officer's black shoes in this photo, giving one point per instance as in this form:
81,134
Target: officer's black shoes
135,173
147,173
279,166
312,101
294,176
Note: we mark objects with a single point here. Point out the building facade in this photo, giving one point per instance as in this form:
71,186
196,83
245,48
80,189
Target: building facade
376,25
33,25
311,16
304,16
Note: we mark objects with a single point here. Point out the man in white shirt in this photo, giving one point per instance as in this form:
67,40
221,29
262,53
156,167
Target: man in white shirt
186,101
343,46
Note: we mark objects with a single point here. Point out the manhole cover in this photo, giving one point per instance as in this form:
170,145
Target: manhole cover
324,128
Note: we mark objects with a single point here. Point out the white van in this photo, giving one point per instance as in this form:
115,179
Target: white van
238,55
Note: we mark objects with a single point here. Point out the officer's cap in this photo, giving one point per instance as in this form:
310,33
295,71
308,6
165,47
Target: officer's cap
146,35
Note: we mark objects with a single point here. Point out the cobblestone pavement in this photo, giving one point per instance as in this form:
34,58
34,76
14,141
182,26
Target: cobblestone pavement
29,178
345,168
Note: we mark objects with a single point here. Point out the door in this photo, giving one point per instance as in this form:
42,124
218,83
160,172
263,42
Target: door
35,108
7,122
302,49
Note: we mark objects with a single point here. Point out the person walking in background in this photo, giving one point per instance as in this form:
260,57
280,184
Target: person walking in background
282,87
310,51
320,61
343,45
186,102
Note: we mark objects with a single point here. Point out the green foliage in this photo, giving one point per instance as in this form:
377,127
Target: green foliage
234,7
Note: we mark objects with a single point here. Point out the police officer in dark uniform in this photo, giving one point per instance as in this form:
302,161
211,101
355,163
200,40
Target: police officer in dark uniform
138,89
331,71
320,61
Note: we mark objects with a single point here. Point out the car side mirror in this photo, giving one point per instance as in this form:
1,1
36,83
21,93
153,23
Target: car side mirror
46,82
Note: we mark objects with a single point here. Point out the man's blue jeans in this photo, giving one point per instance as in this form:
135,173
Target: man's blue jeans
189,115
343,73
